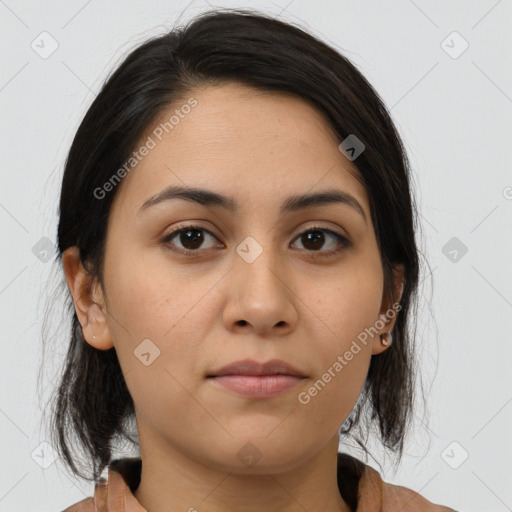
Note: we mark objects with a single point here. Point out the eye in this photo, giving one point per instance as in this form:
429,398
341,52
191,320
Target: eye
314,238
191,238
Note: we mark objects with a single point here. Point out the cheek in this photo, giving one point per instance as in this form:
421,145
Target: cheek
347,309
342,367
151,300
348,304
151,296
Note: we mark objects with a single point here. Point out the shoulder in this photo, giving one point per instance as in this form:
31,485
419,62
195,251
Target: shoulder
363,489
408,500
86,505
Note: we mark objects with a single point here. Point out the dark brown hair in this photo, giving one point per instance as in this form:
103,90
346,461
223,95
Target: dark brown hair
92,404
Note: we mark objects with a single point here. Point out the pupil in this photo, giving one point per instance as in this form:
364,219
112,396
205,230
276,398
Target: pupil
187,238
316,237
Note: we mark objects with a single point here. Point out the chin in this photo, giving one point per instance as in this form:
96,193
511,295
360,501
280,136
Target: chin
247,454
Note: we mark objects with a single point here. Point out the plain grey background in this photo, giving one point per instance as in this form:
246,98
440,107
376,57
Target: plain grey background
444,71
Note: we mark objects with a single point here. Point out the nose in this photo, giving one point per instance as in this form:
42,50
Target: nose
261,295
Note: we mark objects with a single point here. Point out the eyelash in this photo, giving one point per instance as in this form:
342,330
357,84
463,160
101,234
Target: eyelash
186,252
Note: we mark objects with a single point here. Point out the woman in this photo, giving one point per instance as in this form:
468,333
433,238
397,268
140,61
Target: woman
237,235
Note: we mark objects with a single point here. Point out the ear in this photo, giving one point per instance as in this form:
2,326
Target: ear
88,299
389,311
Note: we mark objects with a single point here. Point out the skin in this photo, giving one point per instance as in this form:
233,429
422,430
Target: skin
205,311
114,495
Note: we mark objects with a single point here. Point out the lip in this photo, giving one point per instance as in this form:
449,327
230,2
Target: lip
250,367
257,380
257,386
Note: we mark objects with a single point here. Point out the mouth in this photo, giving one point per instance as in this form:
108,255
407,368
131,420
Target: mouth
257,380
257,386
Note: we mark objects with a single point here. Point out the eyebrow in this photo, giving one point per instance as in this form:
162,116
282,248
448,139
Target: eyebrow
291,204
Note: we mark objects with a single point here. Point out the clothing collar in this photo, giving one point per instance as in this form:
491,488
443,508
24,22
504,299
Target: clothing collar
349,471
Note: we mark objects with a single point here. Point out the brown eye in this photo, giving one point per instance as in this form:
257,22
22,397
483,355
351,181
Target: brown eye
191,239
315,238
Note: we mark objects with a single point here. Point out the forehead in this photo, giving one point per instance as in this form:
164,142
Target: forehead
257,146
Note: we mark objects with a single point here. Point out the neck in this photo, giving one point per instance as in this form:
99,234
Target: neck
174,480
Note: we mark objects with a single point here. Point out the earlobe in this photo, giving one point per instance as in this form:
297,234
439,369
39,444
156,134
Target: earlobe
96,331
388,314
382,342
91,315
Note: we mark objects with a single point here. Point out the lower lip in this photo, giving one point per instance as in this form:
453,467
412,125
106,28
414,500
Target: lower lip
253,386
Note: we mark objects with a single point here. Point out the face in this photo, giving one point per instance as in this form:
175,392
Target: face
253,282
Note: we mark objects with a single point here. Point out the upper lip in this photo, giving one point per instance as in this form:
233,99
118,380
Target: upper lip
251,367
